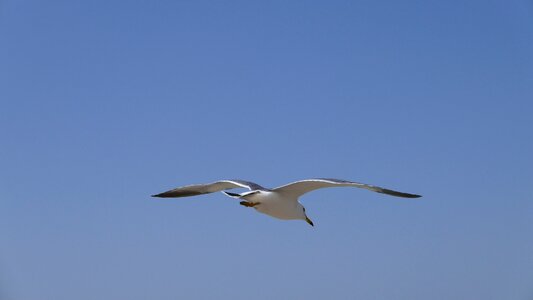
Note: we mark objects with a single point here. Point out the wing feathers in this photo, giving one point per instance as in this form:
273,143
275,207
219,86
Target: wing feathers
301,187
199,189
295,189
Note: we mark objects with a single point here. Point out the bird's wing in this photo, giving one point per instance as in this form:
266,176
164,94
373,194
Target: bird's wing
298,188
199,189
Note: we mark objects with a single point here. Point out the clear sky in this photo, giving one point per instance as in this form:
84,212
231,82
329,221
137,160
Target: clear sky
103,103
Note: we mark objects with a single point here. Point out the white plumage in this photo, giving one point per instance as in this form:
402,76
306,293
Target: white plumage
281,202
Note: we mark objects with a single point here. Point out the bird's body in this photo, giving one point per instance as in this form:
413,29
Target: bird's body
281,202
275,205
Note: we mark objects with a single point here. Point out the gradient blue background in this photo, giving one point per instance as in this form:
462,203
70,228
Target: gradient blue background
103,103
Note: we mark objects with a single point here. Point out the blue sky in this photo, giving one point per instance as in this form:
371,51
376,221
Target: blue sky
103,103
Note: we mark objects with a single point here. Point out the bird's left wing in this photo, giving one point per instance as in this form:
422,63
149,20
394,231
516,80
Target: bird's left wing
199,189
298,188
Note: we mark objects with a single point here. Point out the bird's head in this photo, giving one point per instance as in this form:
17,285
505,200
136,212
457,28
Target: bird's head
303,215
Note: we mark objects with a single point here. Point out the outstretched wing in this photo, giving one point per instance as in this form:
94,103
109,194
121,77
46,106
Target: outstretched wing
298,188
199,189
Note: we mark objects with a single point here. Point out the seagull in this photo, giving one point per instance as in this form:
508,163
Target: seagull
281,202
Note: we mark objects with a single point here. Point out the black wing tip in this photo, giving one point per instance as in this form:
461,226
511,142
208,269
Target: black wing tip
177,194
414,196
406,195
162,195
399,194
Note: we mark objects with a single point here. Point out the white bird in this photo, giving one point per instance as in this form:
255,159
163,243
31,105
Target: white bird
281,202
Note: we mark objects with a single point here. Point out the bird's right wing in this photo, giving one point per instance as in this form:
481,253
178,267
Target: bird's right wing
199,189
298,188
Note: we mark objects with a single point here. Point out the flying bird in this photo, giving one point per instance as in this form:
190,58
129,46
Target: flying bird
281,202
